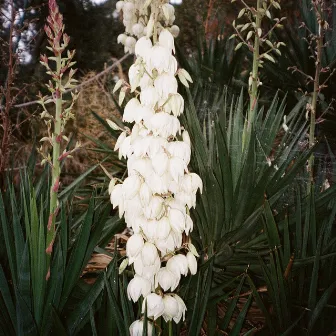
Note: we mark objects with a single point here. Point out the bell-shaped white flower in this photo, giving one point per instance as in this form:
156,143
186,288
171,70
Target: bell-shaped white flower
117,195
160,163
174,105
189,226
130,111
122,37
191,182
125,148
182,309
192,263
158,184
138,286
186,198
166,39
180,149
131,186
165,85
137,327
149,254
163,124
143,113
162,60
171,307
169,244
177,166
145,81
166,279
178,264
134,75
136,165
120,5
186,137
177,220
145,194
155,207
134,246
147,272
120,140
168,11
130,42
143,47
162,228
149,96
155,305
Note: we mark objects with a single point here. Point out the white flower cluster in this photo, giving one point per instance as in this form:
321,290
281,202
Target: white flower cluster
139,23
159,191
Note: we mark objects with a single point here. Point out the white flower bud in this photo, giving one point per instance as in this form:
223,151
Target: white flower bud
122,38
128,7
175,30
134,246
130,42
120,5
136,328
192,263
138,286
171,307
166,279
155,306
111,185
137,29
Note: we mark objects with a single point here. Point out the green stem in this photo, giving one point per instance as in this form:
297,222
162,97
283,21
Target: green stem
253,90
255,68
313,106
56,170
170,324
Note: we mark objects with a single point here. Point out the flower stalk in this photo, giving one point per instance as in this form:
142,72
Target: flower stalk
245,32
159,191
57,66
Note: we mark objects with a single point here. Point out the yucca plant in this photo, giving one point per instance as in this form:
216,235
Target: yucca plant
30,303
244,248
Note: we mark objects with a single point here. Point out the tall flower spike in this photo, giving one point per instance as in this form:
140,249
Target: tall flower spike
156,196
